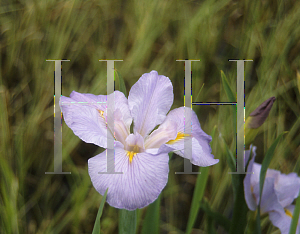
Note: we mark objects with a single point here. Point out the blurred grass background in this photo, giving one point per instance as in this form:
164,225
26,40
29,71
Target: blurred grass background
147,35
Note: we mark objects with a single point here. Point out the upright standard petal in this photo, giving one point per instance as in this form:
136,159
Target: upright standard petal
201,150
142,180
86,115
150,99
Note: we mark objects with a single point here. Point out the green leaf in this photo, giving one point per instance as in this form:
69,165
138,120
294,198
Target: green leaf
197,197
294,222
257,221
96,229
127,221
151,222
227,88
229,156
121,83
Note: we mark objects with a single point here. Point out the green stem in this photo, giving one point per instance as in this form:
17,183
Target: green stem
240,209
127,222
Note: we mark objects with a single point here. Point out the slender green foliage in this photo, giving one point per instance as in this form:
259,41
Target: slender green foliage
97,226
295,219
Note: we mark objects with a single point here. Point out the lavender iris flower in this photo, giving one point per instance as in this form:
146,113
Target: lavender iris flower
142,156
279,192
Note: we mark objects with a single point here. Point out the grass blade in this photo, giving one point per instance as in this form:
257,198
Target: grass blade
294,222
230,95
197,197
96,229
227,88
198,192
229,156
121,83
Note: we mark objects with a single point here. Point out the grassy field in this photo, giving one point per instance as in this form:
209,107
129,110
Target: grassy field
147,35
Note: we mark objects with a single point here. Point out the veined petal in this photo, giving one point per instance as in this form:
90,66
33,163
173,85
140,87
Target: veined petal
142,180
166,132
86,115
269,200
150,99
201,150
282,219
85,119
121,103
287,188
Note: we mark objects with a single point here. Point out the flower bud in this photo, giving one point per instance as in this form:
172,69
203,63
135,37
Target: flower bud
260,114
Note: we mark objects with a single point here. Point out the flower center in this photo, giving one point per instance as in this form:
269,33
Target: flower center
133,152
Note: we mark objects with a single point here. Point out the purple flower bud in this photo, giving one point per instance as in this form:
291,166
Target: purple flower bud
260,114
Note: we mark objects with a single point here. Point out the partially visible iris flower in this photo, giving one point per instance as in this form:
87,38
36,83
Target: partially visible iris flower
279,192
282,219
142,156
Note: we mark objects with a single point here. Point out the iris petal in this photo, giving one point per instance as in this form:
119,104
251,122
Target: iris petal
150,99
140,184
86,114
282,219
201,150
287,188
248,186
85,120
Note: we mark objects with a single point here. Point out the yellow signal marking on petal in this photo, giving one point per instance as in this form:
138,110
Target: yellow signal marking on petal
179,136
130,155
288,213
101,114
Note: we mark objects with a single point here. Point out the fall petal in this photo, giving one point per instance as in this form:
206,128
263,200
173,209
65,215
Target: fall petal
140,184
201,150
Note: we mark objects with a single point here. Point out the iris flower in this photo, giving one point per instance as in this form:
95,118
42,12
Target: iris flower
142,156
279,192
